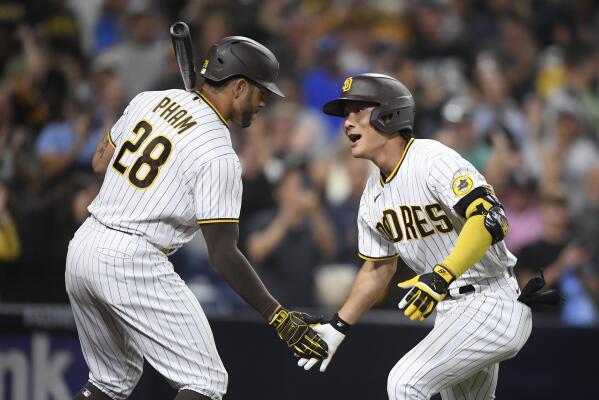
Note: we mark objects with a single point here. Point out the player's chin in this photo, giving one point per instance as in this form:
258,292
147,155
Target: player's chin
358,151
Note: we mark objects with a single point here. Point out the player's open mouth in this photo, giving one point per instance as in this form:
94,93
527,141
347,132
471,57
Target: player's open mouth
354,137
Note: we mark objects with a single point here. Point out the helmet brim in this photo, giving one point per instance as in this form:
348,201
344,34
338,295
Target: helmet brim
273,88
336,107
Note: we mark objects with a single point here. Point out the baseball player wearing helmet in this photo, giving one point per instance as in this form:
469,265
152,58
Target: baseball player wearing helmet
170,169
433,209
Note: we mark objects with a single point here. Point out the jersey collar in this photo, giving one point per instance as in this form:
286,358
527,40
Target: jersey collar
383,180
224,121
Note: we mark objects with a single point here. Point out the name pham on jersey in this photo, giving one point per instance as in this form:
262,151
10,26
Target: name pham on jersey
175,119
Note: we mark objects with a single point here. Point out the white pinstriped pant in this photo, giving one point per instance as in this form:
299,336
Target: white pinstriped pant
460,357
128,305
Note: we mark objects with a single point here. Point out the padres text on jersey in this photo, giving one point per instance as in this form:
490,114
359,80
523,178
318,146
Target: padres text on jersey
410,212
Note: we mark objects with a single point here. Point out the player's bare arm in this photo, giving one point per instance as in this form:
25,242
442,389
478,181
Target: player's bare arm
370,283
102,155
231,264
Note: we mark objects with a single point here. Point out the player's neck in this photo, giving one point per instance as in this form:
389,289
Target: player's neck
390,155
219,100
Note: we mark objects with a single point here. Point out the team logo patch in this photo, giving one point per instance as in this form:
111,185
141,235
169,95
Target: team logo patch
462,185
204,66
347,85
505,226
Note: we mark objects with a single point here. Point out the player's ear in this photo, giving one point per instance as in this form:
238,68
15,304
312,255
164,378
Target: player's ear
240,86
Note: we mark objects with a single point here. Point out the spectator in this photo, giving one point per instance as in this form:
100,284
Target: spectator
577,88
259,170
517,56
60,28
436,34
63,143
523,211
344,213
28,87
297,136
555,252
297,133
566,154
10,246
496,108
108,31
11,140
458,132
587,232
324,80
286,243
139,61
587,226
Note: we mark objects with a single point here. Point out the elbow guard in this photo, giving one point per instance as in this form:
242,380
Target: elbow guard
482,201
496,223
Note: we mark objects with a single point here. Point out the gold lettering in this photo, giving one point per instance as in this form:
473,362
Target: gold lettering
173,114
383,230
163,103
432,211
185,124
408,223
175,118
169,110
391,224
421,222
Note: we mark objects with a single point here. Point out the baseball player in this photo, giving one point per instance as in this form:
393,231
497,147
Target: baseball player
430,207
170,170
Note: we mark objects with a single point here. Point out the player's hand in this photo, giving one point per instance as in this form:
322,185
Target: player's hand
333,334
427,291
293,328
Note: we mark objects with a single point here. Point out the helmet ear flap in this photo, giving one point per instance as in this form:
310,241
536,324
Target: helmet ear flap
391,119
382,119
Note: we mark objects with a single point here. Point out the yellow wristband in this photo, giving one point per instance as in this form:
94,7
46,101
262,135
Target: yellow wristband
444,273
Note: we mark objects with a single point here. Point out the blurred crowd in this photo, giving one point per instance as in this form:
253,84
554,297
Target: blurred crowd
513,86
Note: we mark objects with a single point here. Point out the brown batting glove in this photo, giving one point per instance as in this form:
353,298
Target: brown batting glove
293,328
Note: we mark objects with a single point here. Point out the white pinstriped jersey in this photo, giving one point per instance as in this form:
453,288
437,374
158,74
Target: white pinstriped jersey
173,168
410,213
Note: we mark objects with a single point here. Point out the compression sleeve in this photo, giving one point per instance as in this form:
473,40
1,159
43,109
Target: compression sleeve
473,242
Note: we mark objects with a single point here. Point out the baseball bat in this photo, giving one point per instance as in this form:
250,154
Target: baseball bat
181,39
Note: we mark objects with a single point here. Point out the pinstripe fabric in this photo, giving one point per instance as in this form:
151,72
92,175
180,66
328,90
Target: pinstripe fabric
200,180
481,385
459,357
128,305
411,214
424,179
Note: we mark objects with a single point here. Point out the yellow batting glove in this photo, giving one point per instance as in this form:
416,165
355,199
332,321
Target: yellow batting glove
427,291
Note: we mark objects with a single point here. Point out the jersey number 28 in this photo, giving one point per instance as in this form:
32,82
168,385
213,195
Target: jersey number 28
145,168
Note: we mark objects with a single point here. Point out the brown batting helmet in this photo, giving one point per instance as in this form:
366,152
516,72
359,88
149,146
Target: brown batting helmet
244,57
393,103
